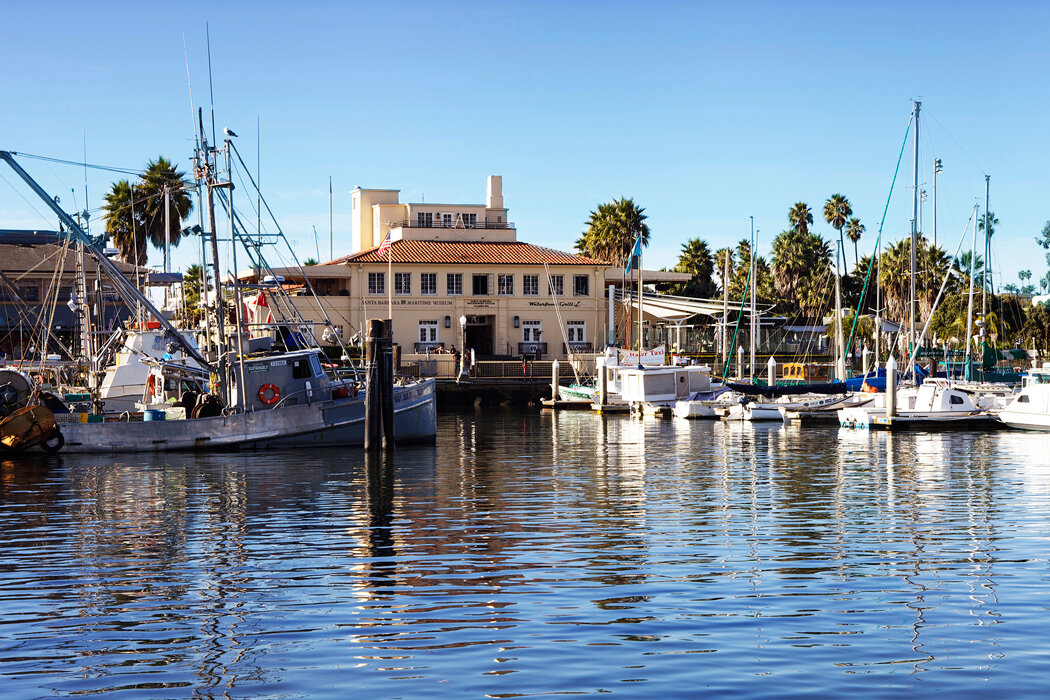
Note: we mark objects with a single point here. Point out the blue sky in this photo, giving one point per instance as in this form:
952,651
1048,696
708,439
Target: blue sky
704,113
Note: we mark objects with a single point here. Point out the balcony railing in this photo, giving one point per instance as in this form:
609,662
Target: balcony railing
429,347
532,348
454,224
578,346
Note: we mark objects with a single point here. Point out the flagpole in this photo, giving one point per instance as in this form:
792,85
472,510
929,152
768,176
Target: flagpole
390,284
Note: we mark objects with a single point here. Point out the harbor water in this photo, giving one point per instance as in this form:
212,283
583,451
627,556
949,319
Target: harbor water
530,555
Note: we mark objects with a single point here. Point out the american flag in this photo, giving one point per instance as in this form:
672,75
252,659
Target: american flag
385,245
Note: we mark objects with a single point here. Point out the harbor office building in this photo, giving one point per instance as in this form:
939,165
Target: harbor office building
456,277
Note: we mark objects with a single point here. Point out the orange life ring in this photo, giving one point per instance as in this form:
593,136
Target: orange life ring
269,394
868,388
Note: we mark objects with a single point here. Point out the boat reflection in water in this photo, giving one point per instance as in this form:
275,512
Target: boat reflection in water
659,556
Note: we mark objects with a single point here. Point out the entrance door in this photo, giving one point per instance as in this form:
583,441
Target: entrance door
478,334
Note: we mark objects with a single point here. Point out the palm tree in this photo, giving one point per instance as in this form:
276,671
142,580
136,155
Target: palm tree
837,211
985,219
801,270
309,261
696,260
801,217
161,179
854,230
724,258
612,230
194,281
124,222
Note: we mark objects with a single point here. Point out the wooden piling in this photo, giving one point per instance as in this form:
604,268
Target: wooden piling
379,387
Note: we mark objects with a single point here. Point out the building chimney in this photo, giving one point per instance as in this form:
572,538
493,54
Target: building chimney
495,194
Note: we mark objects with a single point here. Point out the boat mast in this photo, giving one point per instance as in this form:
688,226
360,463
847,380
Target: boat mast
641,334
987,253
969,307
840,355
913,303
754,283
220,317
237,294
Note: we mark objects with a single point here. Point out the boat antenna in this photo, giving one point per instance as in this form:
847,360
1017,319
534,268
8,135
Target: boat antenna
211,86
331,254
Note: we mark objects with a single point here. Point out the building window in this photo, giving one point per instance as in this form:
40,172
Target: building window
557,285
447,220
470,220
428,331
428,283
454,283
576,331
424,219
377,283
531,331
530,285
481,285
31,292
402,283
506,285
581,285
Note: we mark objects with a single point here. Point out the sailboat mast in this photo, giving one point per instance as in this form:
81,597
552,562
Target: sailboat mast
754,283
913,302
840,364
969,306
987,251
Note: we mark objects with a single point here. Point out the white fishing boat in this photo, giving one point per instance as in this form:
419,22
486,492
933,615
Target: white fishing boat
253,399
1030,409
935,404
650,388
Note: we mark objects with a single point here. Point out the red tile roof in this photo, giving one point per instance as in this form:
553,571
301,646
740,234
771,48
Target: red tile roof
467,253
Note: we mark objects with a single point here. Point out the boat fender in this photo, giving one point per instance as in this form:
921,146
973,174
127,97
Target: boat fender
54,442
151,385
269,394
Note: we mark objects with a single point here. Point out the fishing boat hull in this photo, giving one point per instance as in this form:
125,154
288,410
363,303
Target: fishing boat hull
330,423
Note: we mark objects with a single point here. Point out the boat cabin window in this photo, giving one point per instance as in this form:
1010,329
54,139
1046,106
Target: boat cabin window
315,362
1023,398
955,399
301,368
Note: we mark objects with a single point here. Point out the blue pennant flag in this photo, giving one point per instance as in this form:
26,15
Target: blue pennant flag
636,255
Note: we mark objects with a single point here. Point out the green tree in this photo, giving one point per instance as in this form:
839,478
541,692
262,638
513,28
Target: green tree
800,217
309,261
123,223
724,259
802,270
1043,238
854,230
195,281
134,212
162,180
696,260
612,230
984,223
837,211
1036,327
